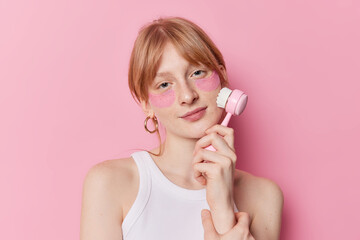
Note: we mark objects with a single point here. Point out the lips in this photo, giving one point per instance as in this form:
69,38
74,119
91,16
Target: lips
193,111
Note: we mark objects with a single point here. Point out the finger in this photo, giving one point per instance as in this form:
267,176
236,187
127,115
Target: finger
214,139
222,130
213,166
243,220
200,177
210,170
218,143
207,156
209,229
226,132
199,174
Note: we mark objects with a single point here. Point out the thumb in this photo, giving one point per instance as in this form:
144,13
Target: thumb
209,229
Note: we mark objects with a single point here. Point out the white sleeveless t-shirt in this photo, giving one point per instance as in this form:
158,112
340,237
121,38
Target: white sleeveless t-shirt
163,210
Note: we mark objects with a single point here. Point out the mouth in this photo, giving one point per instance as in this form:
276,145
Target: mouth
194,114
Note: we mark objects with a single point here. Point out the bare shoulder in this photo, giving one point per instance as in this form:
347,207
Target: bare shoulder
112,171
254,186
263,199
105,189
118,177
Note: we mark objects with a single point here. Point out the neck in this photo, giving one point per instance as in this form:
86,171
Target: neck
176,159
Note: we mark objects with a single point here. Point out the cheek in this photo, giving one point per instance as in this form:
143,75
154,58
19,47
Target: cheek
165,99
210,83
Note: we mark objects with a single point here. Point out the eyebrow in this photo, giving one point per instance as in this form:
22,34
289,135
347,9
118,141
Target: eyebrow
162,74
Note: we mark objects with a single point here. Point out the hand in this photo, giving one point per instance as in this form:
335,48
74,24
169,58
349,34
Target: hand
239,232
215,169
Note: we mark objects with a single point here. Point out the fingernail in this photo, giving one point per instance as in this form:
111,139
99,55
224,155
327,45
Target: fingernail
204,213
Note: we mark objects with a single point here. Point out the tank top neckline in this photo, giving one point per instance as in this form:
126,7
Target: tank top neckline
191,194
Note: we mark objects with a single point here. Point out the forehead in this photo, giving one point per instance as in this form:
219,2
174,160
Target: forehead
171,61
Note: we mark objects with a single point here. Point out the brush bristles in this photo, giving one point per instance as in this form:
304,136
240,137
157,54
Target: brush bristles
223,96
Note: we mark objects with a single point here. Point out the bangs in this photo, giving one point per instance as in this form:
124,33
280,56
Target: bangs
193,49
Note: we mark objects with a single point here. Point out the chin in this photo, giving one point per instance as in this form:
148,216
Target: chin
195,134
200,131
200,134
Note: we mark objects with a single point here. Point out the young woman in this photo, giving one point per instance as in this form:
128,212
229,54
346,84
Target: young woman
179,190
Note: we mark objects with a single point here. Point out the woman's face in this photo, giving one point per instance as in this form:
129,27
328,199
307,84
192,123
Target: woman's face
180,88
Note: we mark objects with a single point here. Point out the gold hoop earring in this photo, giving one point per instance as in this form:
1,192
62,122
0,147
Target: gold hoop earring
154,121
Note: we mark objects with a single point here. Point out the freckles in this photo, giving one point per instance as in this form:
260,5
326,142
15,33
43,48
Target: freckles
165,99
208,84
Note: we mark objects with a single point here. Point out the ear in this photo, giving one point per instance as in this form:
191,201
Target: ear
224,74
145,105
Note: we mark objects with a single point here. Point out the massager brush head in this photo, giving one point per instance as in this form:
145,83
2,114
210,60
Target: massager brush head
234,101
222,97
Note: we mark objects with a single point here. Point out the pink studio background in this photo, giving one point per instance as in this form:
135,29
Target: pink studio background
65,104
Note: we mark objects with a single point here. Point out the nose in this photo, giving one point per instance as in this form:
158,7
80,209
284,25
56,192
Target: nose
187,94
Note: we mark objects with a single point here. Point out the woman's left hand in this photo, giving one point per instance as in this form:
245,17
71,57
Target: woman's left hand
215,169
239,232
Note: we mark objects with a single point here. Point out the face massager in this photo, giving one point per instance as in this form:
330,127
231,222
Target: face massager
234,102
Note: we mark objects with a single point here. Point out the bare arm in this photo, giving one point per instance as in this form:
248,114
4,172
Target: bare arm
101,212
267,218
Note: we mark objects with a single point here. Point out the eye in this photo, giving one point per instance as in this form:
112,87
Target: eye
199,72
163,85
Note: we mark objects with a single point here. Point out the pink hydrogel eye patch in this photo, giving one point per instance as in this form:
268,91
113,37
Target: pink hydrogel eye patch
162,100
210,83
